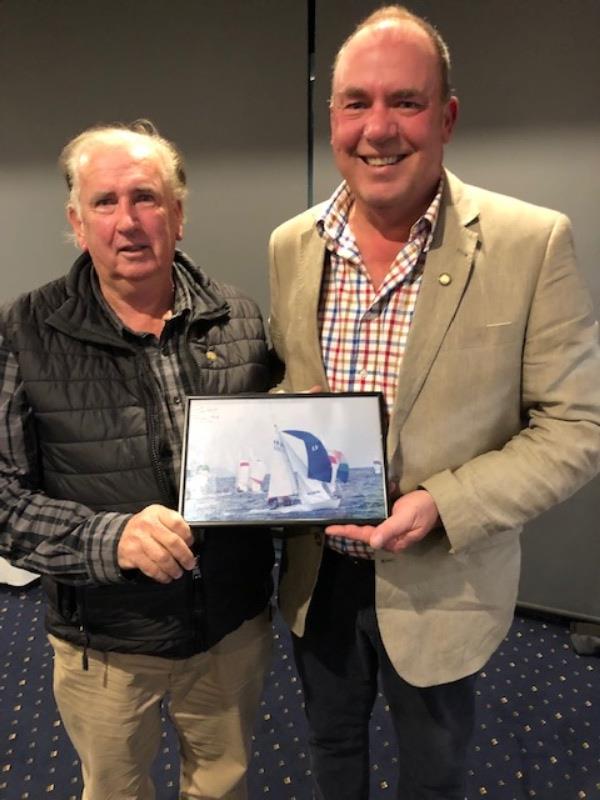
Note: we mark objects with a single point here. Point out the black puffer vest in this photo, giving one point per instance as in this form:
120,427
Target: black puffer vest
96,416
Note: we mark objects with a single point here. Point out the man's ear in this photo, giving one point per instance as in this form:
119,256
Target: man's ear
78,228
450,117
331,122
179,232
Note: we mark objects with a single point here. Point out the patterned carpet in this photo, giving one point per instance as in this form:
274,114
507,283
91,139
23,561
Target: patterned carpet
537,736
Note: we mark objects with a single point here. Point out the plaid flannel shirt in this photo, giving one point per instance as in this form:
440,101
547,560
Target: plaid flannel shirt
61,537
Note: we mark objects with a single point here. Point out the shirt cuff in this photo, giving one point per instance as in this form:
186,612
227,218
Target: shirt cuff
101,536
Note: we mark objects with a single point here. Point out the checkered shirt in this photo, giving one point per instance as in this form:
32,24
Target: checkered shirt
363,330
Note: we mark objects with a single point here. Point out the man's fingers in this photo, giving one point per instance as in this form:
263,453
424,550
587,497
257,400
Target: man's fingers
173,521
155,541
176,548
168,553
360,532
141,550
385,533
151,568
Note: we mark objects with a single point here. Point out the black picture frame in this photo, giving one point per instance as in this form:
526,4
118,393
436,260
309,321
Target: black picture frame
282,460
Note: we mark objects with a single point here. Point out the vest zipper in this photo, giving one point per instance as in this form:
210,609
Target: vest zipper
80,595
197,609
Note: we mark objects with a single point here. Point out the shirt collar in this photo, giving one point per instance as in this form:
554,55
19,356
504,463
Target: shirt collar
182,302
332,222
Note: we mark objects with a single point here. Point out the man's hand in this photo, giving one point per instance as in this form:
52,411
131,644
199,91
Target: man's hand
413,516
157,541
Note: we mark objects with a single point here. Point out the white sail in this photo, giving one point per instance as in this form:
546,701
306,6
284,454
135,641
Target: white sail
257,475
282,483
289,484
199,482
242,477
311,492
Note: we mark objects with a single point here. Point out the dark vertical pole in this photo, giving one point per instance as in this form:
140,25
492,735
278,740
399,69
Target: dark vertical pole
310,133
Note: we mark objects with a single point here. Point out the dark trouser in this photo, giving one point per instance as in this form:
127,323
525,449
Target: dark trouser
338,659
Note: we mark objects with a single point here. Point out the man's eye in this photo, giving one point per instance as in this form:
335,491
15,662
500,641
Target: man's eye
104,201
355,105
408,105
145,197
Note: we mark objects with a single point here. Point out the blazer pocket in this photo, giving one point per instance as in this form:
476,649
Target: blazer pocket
491,334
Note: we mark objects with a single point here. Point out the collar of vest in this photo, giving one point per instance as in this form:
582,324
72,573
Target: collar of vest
81,316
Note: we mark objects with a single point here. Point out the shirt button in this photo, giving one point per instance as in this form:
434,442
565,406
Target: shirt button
364,373
177,400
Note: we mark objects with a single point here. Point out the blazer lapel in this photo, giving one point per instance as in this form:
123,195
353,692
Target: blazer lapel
445,275
309,277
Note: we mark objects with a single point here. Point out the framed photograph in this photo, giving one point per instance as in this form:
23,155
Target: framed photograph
284,459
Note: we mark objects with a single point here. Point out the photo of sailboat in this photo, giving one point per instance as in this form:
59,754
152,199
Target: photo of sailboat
281,460
300,476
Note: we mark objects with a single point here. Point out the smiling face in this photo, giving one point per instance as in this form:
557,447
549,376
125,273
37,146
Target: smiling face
389,122
127,216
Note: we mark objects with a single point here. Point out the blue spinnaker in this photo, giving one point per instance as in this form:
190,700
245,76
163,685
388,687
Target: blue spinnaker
319,466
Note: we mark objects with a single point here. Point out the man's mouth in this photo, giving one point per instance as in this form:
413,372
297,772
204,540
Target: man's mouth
132,248
382,161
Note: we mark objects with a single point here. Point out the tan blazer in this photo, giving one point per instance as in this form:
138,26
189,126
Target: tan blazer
497,415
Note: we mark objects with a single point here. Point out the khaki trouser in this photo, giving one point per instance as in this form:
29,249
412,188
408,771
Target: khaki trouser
112,714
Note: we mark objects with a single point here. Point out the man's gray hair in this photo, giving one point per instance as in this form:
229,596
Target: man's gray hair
122,135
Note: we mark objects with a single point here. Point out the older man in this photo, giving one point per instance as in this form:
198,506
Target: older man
466,310
94,369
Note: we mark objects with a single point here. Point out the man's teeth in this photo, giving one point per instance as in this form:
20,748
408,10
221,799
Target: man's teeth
381,161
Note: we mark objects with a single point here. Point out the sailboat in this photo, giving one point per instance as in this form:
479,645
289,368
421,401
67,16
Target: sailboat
200,482
242,476
300,473
257,475
250,475
340,472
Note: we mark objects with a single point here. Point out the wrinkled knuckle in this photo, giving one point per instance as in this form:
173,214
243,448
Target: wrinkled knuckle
163,559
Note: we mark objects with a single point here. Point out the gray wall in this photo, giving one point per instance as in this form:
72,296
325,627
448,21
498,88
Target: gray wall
225,80
527,75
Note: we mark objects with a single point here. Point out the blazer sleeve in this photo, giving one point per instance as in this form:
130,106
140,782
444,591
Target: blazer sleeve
558,449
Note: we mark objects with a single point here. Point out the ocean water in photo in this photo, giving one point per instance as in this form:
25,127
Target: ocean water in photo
361,498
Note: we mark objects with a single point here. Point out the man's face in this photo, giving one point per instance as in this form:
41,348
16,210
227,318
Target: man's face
128,218
389,123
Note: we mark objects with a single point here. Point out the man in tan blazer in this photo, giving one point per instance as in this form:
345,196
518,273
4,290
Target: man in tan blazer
465,308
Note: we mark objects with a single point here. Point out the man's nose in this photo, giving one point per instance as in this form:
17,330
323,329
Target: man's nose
380,124
127,215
